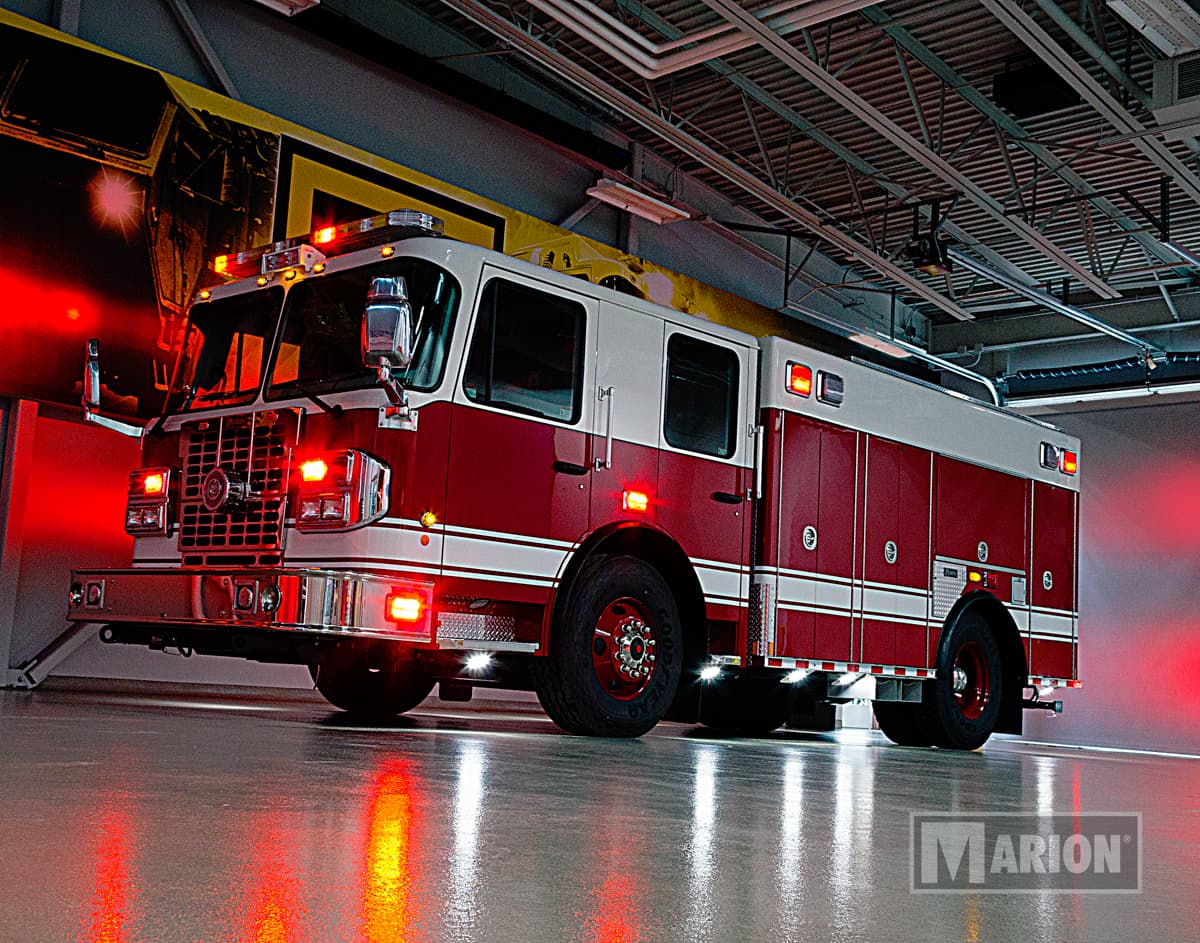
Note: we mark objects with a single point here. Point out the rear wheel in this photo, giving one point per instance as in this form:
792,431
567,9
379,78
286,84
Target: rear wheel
616,651
963,703
372,680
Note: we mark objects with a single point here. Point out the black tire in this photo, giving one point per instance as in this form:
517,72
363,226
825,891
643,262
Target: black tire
963,720
903,724
372,680
750,706
616,651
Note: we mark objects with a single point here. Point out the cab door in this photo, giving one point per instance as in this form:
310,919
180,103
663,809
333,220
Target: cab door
704,473
519,483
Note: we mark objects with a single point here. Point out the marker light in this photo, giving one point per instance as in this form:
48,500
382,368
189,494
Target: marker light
221,264
404,608
428,519
153,483
205,295
314,470
318,268
709,672
289,274
480,661
975,576
799,379
261,281
634,501
387,250
1068,462
324,235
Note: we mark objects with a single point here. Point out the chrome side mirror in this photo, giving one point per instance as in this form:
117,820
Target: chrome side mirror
387,326
91,395
91,375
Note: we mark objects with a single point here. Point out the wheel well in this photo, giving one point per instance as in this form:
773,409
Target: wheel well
666,556
1012,653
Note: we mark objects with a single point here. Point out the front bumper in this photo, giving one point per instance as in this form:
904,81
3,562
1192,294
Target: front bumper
312,601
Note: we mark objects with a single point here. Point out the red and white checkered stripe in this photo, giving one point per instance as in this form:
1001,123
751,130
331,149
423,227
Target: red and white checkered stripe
1039,682
850,667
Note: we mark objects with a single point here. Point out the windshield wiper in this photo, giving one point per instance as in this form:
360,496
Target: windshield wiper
334,410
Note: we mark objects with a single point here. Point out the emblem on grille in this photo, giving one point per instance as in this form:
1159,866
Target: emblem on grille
223,489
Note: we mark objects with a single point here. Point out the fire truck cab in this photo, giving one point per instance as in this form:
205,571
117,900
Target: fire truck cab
403,460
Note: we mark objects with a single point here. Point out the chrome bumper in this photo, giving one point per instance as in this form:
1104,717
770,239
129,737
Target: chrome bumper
327,602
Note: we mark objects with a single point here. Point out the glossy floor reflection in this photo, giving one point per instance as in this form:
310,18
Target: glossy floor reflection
141,817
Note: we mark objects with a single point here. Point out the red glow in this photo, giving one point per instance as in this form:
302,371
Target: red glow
116,199
273,911
324,235
111,902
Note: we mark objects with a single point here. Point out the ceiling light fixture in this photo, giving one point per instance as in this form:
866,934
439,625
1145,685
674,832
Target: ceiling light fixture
288,7
636,202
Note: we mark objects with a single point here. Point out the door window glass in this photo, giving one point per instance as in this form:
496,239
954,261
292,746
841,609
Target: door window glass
527,352
701,408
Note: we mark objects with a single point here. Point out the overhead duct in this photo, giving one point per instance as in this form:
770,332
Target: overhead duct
1111,376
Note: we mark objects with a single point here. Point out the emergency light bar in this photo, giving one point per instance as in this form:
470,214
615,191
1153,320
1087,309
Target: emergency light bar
299,251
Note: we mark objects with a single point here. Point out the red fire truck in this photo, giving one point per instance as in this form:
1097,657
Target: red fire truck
404,461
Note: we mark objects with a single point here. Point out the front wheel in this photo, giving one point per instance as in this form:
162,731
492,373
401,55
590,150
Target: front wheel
372,679
616,651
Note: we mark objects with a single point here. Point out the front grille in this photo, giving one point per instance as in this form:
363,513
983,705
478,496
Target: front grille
256,448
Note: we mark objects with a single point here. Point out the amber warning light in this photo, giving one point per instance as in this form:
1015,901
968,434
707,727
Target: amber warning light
635,501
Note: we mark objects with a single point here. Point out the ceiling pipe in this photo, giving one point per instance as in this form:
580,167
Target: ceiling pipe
651,60
892,132
1149,348
567,70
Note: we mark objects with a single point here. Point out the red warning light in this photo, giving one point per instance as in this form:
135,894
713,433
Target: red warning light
324,235
1068,462
800,379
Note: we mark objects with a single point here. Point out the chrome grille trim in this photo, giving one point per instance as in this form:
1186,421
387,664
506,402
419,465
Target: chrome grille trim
258,446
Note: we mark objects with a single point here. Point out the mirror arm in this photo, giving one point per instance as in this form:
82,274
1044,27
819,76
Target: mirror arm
399,415
116,425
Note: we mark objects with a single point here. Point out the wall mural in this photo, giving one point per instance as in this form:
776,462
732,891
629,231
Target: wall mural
114,203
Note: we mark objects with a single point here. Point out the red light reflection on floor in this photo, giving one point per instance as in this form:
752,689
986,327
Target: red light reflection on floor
274,908
113,897
616,906
387,881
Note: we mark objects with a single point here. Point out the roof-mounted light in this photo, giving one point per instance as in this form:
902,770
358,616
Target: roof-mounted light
298,252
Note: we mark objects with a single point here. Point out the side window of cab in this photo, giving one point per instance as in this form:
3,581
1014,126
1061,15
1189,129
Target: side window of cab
527,353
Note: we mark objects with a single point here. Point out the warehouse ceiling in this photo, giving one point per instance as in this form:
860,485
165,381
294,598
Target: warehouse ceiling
1014,138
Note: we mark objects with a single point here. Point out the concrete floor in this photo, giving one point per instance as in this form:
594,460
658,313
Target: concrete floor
175,815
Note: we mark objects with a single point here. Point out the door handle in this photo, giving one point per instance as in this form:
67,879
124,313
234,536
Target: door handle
607,392
726,497
570,468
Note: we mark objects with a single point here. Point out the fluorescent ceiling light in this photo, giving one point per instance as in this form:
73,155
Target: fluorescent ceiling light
636,202
288,7
879,344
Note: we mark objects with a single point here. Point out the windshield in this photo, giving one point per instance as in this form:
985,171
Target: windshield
223,351
320,348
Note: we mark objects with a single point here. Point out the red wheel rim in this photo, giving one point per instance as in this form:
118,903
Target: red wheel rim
623,648
971,681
